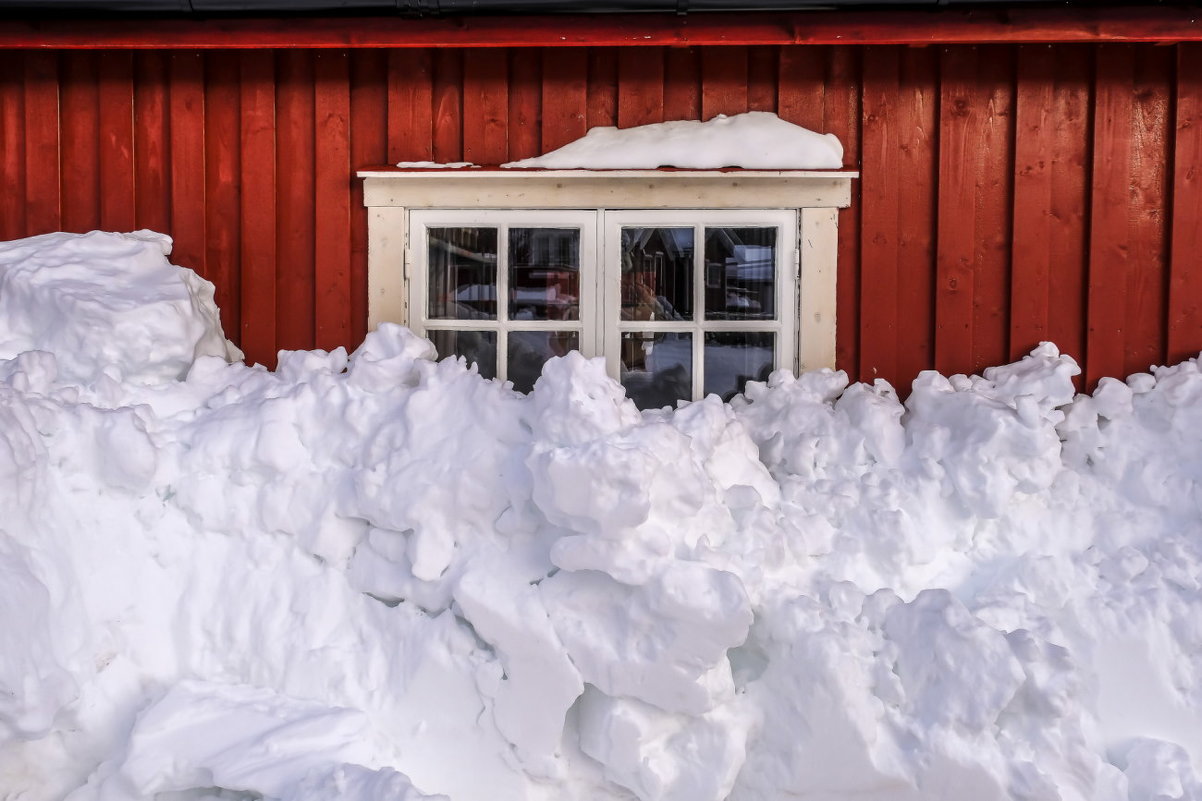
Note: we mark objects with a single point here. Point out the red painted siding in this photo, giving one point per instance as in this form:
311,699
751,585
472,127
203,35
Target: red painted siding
1010,193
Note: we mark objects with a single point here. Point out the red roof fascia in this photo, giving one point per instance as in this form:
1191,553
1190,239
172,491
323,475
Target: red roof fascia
1133,24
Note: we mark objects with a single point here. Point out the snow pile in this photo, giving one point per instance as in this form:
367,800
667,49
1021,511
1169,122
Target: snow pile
381,577
134,316
755,140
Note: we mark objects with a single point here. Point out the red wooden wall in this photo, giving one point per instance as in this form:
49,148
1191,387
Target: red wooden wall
1010,193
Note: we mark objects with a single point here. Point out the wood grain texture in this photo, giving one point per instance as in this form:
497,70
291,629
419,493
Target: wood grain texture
116,152
369,143
152,200
257,205
880,194
221,171
332,187
79,158
1185,268
186,119
410,106
640,86
724,84
525,102
602,86
296,202
961,127
12,146
447,118
486,106
682,83
564,97
1109,242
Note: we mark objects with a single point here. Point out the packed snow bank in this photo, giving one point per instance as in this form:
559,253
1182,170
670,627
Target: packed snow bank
757,140
107,304
382,577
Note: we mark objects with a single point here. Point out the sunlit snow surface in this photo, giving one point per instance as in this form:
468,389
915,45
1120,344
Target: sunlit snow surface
753,140
382,578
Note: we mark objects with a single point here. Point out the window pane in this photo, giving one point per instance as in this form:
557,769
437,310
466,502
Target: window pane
544,274
462,273
478,347
529,351
740,273
657,274
657,368
733,359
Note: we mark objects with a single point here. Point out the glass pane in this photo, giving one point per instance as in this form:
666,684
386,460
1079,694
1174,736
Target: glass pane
657,368
529,351
740,273
732,359
462,273
657,274
478,347
544,274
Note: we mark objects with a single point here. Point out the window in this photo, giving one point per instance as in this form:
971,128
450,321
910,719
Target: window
696,293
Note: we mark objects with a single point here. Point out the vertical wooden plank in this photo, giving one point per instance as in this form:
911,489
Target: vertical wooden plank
640,86
12,146
43,212
841,112
917,127
602,87
257,206
485,106
880,213
448,105
152,203
187,160
525,102
410,105
1185,269
994,181
332,185
762,68
682,84
564,96
1147,277
1035,142
723,81
79,116
801,86
960,126
1109,241
1068,281
222,201
116,141
369,143
295,200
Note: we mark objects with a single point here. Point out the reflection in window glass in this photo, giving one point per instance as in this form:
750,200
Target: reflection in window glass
462,273
732,359
478,347
740,273
657,368
657,274
544,274
529,351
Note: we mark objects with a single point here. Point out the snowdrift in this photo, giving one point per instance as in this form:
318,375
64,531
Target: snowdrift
381,577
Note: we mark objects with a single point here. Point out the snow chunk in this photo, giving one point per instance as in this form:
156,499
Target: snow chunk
107,304
755,140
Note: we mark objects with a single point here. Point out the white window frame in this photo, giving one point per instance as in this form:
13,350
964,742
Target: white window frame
503,219
814,196
783,323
